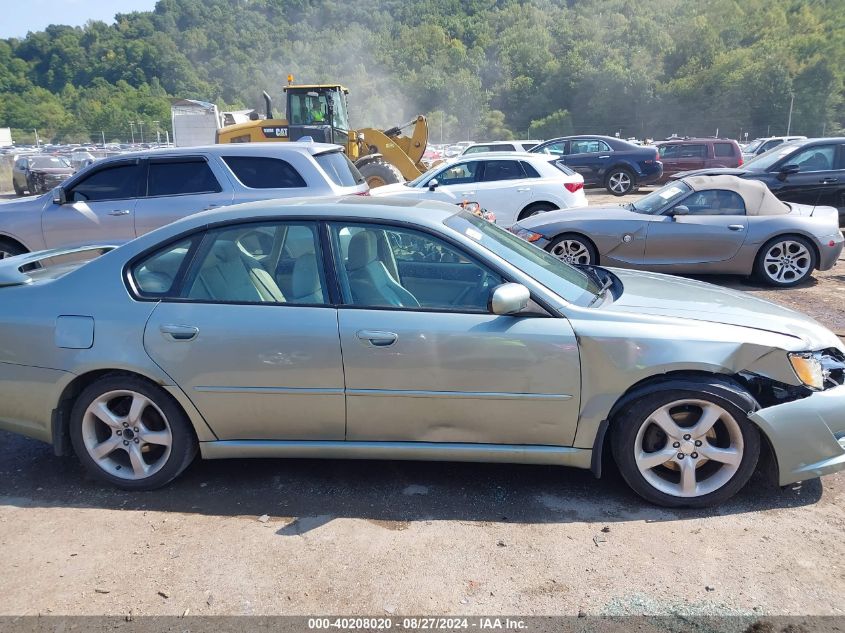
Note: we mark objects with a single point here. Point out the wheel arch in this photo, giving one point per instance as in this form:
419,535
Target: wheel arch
61,414
11,238
532,205
793,233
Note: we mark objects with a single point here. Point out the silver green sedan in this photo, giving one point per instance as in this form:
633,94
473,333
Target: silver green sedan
394,329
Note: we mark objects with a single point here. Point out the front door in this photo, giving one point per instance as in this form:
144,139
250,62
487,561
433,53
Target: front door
590,158
248,333
711,227
425,361
100,208
817,172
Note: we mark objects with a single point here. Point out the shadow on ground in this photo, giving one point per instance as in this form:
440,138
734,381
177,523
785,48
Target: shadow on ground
315,491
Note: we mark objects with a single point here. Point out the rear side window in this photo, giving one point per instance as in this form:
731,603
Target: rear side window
340,169
588,146
723,149
260,172
110,183
156,275
693,151
174,178
495,170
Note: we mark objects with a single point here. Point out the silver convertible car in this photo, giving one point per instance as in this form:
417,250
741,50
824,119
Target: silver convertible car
397,329
697,225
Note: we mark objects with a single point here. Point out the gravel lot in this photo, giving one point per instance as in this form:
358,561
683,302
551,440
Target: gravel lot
415,538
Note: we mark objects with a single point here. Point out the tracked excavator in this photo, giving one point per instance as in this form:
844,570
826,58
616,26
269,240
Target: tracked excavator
320,112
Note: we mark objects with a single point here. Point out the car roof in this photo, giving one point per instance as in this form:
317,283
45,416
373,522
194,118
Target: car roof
696,139
759,200
244,149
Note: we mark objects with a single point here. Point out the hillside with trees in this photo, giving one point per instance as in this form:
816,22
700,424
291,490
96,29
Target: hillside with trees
490,69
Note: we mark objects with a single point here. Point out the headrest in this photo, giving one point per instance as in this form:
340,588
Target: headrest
363,249
305,279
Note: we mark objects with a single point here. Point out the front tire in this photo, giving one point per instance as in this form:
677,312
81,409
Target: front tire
131,433
620,181
573,249
785,261
378,173
686,447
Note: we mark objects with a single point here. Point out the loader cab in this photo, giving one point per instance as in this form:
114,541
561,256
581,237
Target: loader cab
318,111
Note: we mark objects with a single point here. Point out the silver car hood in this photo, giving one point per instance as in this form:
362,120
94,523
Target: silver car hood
669,296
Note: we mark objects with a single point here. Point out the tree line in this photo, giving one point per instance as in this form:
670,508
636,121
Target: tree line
480,69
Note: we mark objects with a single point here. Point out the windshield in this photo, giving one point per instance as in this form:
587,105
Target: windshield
564,280
753,146
767,159
47,162
657,200
416,182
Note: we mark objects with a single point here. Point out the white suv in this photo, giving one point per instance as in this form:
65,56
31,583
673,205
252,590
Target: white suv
513,185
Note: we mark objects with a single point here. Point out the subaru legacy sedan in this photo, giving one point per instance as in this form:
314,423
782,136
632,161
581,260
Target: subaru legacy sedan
399,329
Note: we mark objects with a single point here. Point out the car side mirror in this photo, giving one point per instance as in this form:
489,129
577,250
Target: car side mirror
679,210
59,196
509,299
432,184
787,170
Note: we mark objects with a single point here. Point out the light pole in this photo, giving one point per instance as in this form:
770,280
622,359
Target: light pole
789,121
132,129
158,133
141,128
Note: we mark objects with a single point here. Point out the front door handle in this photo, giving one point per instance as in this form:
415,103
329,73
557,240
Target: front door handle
523,189
467,193
211,206
179,333
736,227
829,181
120,212
608,156
376,338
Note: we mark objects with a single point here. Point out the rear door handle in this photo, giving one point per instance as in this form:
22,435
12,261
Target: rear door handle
467,193
828,181
736,227
179,332
120,212
376,338
608,156
211,206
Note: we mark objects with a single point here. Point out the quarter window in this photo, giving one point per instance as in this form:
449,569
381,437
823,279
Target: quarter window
173,178
114,182
722,150
156,275
264,173
385,266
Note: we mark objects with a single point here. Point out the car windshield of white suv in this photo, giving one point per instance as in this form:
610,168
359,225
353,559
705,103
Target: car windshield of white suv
416,182
767,159
49,162
564,280
654,202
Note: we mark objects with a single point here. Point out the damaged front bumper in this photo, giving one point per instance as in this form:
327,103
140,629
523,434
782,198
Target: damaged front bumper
807,435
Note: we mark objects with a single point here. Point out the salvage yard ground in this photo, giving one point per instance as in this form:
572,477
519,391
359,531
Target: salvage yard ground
320,537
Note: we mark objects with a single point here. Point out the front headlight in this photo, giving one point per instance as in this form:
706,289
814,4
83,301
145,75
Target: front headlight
808,368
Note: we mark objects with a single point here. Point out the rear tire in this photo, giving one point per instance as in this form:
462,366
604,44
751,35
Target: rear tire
130,433
669,455
10,249
620,181
379,173
785,261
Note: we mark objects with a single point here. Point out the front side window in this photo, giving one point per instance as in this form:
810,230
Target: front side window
179,177
114,182
555,149
714,202
459,174
386,266
276,262
259,172
818,158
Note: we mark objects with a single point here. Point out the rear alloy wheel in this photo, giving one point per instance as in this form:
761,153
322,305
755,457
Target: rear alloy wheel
573,249
686,448
785,261
129,433
620,182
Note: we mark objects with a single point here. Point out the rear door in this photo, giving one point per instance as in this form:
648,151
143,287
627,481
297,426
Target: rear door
713,230
590,158
502,188
177,187
99,208
691,156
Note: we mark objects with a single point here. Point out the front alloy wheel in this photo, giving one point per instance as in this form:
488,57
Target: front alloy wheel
682,448
574,250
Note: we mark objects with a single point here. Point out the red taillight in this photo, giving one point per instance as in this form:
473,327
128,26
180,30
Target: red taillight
363,193
739,164
572,187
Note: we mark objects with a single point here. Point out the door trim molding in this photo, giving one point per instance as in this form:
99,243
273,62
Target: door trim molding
471,395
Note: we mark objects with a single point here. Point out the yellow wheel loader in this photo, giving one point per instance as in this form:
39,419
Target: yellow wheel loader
320,112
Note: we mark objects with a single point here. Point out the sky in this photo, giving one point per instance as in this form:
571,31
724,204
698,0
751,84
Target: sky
22,16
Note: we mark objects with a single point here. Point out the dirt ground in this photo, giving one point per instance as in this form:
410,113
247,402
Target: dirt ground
391,538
